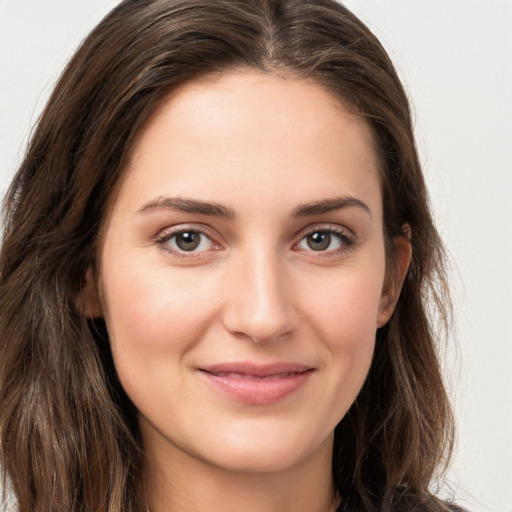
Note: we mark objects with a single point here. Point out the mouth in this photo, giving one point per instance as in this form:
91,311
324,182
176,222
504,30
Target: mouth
257,384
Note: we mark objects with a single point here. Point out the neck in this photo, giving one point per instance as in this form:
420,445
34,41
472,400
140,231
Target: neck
179,482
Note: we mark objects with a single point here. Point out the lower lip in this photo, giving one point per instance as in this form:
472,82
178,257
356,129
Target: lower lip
258,391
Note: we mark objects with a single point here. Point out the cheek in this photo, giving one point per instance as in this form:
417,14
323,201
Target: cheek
346,311
153,326
152,315
342,315
345,316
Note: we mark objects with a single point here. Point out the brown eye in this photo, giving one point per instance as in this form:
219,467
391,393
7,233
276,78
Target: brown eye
330,240
188,240
319,241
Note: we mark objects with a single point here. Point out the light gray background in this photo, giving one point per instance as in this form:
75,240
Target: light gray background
455,57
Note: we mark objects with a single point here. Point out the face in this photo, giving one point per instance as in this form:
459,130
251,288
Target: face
242,272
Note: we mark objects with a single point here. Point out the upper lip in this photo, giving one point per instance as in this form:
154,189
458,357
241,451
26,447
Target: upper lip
256,370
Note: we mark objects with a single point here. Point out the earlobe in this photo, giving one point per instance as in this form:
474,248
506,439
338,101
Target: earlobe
89,304
395,276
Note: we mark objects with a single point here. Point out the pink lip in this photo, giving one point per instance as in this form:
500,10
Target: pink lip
257,384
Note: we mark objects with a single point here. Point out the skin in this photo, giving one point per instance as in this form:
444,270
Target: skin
261,148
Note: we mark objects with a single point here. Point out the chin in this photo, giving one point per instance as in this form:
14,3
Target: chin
267,461
263,453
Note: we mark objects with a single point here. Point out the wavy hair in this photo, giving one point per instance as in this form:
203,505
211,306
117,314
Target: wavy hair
69,438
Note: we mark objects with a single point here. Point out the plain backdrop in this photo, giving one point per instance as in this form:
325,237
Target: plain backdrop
455,57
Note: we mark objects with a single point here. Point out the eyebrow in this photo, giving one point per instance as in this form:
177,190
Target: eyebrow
328,205
219,210
188,206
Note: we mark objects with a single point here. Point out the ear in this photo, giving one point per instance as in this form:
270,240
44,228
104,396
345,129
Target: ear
89,301
395,275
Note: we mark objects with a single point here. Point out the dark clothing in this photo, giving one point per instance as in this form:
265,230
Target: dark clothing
347,507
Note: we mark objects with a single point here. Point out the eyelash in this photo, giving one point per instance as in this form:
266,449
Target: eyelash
346,240
164,239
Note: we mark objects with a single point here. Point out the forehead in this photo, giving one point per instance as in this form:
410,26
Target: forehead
250,130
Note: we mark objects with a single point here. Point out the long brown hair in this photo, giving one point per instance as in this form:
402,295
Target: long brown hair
69,437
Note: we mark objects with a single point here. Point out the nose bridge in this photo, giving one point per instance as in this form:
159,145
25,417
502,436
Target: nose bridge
258,305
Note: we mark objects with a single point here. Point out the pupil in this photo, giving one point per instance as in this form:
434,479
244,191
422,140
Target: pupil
188,241
319,241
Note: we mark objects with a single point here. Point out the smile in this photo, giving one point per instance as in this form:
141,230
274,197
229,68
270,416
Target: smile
255,384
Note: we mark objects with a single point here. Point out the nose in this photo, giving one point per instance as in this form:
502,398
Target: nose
258,306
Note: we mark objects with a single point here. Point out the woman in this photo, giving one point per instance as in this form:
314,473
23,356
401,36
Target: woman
216,270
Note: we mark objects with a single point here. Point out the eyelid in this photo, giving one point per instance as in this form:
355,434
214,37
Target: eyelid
347,238
168,233
346,235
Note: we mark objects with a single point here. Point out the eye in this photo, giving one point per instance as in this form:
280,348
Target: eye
325,240
184,241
